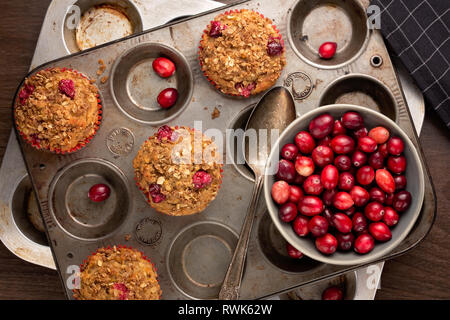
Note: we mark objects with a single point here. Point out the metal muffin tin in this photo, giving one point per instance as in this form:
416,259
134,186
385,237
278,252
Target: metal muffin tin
157,234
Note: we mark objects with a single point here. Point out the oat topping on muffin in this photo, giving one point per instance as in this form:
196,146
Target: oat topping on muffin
118,273
171,174
242,53
57,110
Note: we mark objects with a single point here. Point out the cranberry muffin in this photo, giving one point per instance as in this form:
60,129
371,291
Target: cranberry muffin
176,175
242,53
118,273
57,110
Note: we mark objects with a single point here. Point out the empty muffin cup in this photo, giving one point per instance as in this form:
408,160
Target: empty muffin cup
314,22
135,86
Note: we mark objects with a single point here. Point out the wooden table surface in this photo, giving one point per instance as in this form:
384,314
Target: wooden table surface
423,273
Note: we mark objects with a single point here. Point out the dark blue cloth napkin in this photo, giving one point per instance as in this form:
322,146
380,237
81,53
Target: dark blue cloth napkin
418,32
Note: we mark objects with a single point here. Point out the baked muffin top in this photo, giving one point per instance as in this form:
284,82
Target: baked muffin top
177,176
118,273
242,52
57,110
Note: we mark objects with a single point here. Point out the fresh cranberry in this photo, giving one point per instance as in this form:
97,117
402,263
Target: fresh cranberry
166,132
280,192
389,199
396,164
383,150
395,146
379,134
321,126
289,151
376,194
390,217
350,211
295,194
288,212
318,226
293,252
328,196
364,244
376,160
345,241
367,144
274,46
304,166
245,91
305,142
352,120
312,185
99,192
333,293
322,156
167,98
123,290
300,226
342,223
359,133
329,177
359,159
324,141
402,201
216,29
326,244
155,193
310,206
163,67
380,231
201,179
360,196
346,181
25,93
374,211
338,129
342,144
385,180
343,201
286,171
365,175
67,87
359,222
327,50
400,182
343,163
328,214
299,179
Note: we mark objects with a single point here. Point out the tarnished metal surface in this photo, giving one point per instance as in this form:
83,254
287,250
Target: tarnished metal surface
235,187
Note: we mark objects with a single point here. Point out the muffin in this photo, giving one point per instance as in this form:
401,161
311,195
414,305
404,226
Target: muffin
118,273
57,110
175,175
242,53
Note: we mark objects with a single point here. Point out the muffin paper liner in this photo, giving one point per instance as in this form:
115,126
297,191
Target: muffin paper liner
147,194
205,31
85,261
80,145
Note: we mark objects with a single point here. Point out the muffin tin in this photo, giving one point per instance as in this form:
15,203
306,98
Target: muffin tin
166,239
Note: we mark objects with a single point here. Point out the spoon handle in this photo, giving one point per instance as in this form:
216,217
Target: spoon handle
232,282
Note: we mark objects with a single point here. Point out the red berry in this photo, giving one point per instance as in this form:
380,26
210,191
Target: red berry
359,222
379,134
365,175
343,201
376,160
383,150
380,231
280,192
293,252
286,171
342,223
295,194
99,192
367,144
327,50
359,133
310,206
321,126
328,214
322,156
343,163
342,144
166,133
374,211
305,142
243,90
25,93
360,196
163,67
364,244
390,217
385,180
350,211
352,120
338,129
300,226
397,164
324,141
395,146
345,241
329,177
333,293
201,179
312,185
299,179
216,29
274,46
304,166
346,181
359,159
289,151
402,201
389,199
328,196
67,87
318,226
288,212
167,98
156,194
376,194
326,244
400,182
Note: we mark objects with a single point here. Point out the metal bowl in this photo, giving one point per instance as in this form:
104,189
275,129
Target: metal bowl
414,175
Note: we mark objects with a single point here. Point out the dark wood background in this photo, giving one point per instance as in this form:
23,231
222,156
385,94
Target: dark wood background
423,273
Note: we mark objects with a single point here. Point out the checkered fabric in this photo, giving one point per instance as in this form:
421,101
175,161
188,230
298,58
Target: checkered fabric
418,33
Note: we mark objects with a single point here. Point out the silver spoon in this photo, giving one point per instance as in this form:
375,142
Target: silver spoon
275,110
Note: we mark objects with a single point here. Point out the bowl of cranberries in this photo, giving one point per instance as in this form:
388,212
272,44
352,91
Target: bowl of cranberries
349,184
